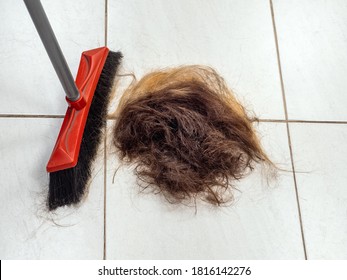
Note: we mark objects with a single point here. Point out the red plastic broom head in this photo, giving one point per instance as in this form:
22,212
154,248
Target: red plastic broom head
66,150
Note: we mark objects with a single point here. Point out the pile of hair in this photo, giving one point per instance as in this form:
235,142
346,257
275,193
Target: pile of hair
187,134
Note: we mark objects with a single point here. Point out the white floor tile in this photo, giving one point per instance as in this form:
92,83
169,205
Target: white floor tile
313,42
320,154
234,37
29,84
27,231
262,224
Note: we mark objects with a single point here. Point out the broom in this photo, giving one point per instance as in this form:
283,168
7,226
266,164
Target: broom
80,135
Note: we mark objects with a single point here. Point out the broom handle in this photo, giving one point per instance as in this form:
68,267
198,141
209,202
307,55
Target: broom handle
54,52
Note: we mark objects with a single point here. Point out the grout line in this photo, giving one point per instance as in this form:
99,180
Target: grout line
105,169
279,121
287,126
301,121
28,116
270,120
318,122
106,22
105,145
31,116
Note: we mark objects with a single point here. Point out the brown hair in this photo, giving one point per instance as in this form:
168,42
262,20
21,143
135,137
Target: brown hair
187,134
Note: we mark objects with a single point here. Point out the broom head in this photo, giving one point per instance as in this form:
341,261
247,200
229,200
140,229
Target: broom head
66,150
80,135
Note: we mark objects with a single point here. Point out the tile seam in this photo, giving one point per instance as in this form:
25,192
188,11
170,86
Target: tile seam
29,116
105,190
105,146
287,127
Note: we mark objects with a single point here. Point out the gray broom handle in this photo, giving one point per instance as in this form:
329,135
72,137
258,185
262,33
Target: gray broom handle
50,42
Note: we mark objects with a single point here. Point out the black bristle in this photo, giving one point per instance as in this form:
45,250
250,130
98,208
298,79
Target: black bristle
68,186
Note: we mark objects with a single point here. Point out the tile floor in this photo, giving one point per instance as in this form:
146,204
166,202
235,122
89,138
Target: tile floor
286,62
